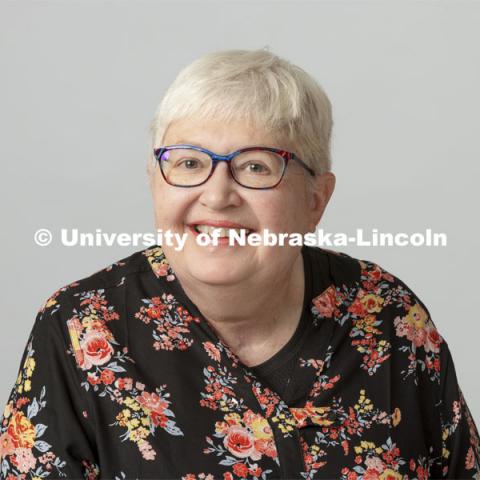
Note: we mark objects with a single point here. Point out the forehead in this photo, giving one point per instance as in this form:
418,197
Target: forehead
219,136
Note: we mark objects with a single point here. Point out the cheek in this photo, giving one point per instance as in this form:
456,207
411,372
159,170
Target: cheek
282,213
170,208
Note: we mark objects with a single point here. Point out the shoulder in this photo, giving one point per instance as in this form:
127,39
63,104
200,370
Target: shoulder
107,279
97,303
368,281
382,316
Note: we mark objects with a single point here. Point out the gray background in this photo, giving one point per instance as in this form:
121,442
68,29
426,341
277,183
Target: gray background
80,81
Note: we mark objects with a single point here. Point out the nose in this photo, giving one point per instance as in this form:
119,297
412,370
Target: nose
220,190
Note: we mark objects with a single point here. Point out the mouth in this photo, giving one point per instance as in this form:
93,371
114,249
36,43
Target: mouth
222,230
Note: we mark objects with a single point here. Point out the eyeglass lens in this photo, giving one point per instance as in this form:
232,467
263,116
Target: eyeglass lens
254,168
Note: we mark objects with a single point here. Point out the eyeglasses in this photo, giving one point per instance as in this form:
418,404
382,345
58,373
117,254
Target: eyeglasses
251,167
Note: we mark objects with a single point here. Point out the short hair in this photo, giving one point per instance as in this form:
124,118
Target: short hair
258,87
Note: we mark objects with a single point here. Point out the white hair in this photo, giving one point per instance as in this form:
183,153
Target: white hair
259,88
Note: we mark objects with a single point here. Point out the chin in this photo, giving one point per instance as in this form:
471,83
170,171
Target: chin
215,274
218,268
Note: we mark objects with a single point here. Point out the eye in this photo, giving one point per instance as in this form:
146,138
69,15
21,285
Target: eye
254,167
258,163
188,163
257,168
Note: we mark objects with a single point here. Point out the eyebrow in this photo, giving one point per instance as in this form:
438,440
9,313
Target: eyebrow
195,144
185,142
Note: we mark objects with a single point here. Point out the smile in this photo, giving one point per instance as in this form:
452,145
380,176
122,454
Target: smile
220,232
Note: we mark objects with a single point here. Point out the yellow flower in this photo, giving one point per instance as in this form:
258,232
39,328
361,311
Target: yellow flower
358,449
372,303
285,428
367,445
416,316
28,367
28,385
131,403
233,419
133,423
88,320
260,428
7,411
364,404
367,323
50,303
445,453
390,475
139,434
283,424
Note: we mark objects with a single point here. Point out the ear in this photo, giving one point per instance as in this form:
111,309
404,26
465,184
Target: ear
321,190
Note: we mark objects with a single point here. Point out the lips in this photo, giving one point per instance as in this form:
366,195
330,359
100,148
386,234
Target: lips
220,224
218,227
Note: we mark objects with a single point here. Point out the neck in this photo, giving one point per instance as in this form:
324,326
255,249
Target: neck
254,321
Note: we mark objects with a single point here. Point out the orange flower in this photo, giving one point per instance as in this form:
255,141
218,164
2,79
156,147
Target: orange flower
107,377
396,417
21,431
6,445
239,442
325,302
241,470
96,349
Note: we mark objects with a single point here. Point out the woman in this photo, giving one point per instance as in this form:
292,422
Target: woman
234,361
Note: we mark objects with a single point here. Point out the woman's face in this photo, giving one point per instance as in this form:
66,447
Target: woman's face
287,208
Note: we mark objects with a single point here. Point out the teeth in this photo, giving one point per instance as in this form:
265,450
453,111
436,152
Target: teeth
220,231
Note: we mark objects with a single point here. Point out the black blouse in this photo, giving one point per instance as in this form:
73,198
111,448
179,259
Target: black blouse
277,372
122,377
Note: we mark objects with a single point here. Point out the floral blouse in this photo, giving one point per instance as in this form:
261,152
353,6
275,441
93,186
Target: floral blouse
123,377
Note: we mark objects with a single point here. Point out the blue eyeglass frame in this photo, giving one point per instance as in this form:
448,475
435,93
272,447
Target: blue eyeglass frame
287,156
